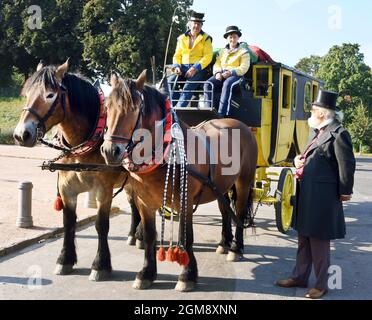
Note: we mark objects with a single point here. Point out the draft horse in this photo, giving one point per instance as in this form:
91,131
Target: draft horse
133,105
56,97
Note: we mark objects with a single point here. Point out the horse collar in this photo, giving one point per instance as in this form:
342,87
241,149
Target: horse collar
96,137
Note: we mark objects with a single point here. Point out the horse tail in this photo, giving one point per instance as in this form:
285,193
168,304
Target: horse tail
247,218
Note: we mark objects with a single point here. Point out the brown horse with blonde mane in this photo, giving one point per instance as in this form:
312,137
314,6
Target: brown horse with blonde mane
55,97
133,105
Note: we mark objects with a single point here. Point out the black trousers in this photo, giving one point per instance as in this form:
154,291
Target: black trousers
312,251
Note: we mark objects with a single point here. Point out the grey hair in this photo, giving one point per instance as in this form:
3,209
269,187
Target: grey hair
333,114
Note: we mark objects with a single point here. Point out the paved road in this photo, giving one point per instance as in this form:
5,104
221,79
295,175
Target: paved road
268,256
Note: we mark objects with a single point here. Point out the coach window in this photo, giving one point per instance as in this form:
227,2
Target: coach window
315,91
294,95
286,96
307,99
262,82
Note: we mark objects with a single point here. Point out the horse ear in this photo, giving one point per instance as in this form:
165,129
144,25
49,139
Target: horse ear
114,79
40,65
140,82
62,69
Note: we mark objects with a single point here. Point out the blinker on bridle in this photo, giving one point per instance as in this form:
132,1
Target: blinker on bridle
131,143
41,128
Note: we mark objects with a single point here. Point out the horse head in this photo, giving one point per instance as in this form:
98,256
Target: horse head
45,103
125,112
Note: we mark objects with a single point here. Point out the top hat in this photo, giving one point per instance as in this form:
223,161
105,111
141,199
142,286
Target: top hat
197,17
232,29
327,100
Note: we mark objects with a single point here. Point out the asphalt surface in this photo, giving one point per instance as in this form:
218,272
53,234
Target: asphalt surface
28,274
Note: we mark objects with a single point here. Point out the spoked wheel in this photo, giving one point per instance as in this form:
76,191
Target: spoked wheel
285,196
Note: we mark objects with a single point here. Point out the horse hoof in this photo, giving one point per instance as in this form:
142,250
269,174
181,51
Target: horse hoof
221,250
131,241
100,275
233,256
140,244
185,286
141,284
63,270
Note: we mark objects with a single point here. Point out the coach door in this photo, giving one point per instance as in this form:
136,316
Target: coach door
285,126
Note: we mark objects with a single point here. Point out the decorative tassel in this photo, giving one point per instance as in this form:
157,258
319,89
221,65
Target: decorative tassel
176,254
170,255
161,254
184,259
58,204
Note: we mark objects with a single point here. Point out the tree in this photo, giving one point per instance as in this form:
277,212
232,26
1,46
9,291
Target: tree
361,127
344,71
23,47
124,35
309,65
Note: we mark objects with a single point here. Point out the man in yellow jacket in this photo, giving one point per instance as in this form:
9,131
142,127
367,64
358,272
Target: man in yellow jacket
231,65
193,54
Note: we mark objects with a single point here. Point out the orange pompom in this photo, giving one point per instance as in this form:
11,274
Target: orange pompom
170,254
161,254
176,254
184,258
58,204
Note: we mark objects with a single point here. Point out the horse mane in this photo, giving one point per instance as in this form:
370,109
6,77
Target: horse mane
126,97
83,96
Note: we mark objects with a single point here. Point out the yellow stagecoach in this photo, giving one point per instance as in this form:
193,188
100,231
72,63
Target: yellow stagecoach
274,100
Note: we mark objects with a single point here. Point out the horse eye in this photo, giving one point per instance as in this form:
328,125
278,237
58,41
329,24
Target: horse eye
50,96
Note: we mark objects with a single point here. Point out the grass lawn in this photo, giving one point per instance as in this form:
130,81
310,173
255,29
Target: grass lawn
10,110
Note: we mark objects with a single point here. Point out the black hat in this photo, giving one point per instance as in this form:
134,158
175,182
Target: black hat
197,17
232,29
326,99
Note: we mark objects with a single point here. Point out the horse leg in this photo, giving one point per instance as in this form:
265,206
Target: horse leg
101,267
147,275
226,236
67,258
244,202
135,221
188,278
139,237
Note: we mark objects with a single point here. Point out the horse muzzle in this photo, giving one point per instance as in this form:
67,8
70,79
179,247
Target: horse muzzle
26,134
113,153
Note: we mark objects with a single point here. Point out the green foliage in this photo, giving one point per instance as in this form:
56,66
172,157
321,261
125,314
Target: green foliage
10,110
344,71
124,35
361,127
309,65
97,35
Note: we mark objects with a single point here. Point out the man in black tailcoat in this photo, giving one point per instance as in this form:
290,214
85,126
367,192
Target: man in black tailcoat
325,179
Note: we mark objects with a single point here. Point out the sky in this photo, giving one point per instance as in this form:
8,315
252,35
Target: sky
291,29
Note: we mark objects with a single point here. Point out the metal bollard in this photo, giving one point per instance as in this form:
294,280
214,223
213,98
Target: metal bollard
24,219
90,200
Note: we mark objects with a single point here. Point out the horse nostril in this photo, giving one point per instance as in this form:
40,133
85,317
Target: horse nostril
16,137
26,135
116,151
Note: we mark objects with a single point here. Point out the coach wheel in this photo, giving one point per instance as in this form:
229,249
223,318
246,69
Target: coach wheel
285,200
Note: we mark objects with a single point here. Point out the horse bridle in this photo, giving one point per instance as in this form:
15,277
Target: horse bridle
131,143
41,128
